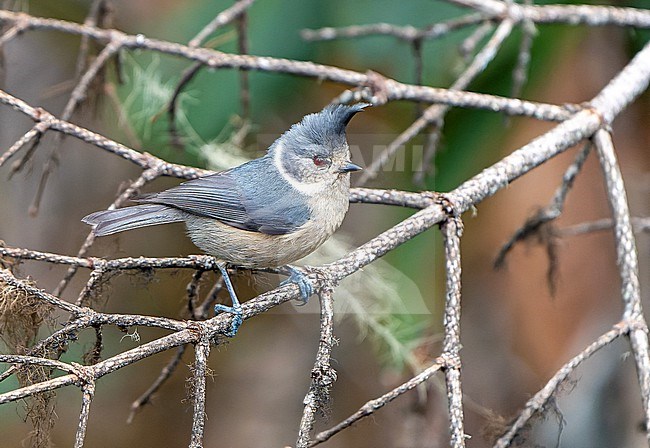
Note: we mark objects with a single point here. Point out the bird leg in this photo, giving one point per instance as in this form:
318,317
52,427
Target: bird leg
235,309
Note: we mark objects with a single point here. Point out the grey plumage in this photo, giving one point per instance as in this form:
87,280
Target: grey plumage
267,212
108,222
265,205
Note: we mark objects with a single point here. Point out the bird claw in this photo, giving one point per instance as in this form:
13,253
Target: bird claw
237,317
302,281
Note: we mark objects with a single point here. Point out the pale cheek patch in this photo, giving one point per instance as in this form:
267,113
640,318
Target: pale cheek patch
309,189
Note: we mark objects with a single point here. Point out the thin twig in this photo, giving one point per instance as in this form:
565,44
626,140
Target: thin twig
435,113
77,96
31,137
628,264
88,392
520,72
192,289
567,14
236,11
639,224
323,375
84,47
372,406
146,177
406,33
452,230
204,309
37,361
165,373
187,76
538,225
242,48
223,18
538,402
169,368
385,89
200,372
469,44
12,32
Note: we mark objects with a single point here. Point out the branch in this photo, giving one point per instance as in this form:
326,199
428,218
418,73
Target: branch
223,18
639,225
323,375
435,113
165,374
578,124
200,371
384,89
538,225
374,405
541,398
452,230
406,33
567,14
628,264
88,392
32,137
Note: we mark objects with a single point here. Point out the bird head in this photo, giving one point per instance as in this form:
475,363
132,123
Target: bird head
315,153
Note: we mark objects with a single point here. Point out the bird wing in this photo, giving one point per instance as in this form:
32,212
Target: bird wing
250,197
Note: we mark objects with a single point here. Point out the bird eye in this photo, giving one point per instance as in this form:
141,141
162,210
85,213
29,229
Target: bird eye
320,161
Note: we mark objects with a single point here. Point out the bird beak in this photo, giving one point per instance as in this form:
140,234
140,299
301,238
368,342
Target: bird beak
349,167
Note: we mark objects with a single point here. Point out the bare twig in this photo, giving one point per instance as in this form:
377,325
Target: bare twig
77,96
520,72
165,374
541,398
200,372
435,114
383,88
235,12
372,406
88,392
578,123
12,32
146,176
628,264
538,224
223,18
192,289
639,225
187,76
406,33
204,309
31,137
469,44
567,14
242,48
323,375
143,160
452,230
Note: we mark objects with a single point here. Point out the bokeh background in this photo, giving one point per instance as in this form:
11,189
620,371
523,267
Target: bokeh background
515,334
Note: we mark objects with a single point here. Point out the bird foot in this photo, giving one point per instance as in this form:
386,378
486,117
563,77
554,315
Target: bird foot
304,284
237,317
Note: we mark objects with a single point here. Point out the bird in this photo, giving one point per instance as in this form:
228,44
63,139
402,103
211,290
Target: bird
265,213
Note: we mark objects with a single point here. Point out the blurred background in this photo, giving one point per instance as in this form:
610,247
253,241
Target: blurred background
515,333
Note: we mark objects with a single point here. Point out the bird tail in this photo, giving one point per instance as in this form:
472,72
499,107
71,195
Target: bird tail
108,222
